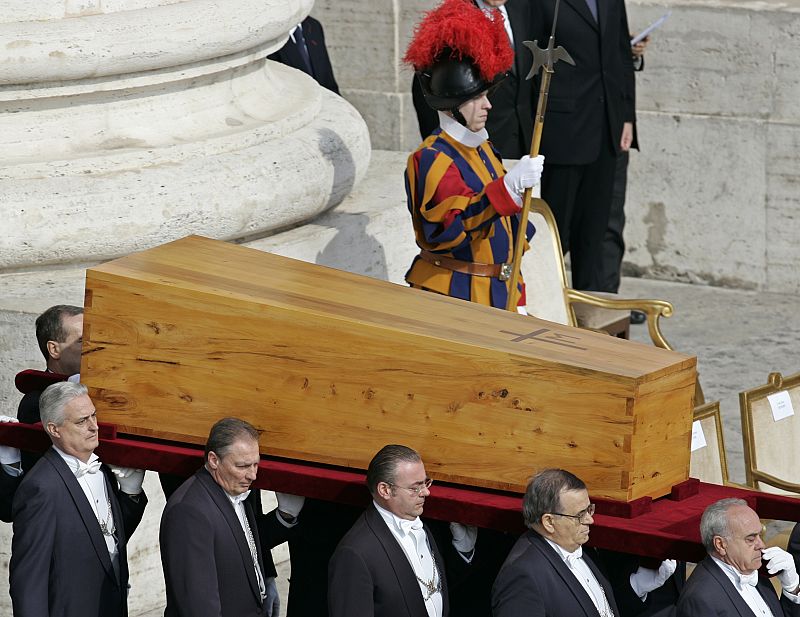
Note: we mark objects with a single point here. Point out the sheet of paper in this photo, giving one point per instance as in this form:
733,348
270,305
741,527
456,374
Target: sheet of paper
698,437
781,405
654,26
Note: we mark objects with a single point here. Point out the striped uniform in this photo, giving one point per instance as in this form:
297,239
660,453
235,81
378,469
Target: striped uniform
461,209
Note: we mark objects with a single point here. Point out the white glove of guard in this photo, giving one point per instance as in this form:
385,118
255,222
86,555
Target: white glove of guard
9,455
290,504
645,580
525,175
782,563
273,601
130,480
464,537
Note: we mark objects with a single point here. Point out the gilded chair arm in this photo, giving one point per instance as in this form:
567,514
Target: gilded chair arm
760,476
653,309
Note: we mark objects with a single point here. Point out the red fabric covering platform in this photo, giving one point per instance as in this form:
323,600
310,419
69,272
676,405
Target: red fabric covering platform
662,528
31,380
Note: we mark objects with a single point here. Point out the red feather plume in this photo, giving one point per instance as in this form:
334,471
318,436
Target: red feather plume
466,30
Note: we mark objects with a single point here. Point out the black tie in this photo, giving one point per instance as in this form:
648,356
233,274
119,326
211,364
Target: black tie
300,41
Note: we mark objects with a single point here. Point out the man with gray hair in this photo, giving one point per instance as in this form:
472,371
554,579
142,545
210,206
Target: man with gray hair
72,518
388,564
214,545
547,572
726,582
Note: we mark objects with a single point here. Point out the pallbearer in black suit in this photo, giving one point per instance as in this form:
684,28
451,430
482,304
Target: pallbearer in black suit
215,562
547,574
726,582
388,564
72,519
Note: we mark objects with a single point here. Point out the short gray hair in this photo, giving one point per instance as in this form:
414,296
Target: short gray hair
715,521
55,398
226,432
543,494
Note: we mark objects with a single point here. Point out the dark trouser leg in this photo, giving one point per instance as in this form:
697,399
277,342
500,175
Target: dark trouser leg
559,188
613,242
590,220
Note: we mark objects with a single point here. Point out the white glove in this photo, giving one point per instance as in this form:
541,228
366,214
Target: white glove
9,455
130,480
464,537
782,563
273,601
525,175
290,504
645,580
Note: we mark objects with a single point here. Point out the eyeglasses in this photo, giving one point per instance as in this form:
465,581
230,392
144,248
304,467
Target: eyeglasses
417,489
580,516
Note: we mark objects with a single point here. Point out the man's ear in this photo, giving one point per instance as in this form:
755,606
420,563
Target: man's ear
384,490
213,460
547,523
52,430
720,545
54,349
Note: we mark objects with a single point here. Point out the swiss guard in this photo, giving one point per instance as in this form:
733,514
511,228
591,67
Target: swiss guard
463,204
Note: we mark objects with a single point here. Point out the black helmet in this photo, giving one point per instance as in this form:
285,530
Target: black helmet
452,81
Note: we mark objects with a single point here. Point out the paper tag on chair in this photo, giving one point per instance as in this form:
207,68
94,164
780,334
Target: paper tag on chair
781,404
698,437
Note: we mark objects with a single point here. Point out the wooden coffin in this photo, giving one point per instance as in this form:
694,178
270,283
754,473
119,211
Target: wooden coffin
331,366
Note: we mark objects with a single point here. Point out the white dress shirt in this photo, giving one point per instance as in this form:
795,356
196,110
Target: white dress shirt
237,501
93,484
414,541
581,571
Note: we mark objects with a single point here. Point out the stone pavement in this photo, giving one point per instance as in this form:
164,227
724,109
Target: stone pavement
739,337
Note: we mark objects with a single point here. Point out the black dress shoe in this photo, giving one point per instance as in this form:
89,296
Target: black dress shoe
637,317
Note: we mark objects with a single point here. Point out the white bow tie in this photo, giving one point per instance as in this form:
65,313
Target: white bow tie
237,499
84,468
572,558
748,579
409,526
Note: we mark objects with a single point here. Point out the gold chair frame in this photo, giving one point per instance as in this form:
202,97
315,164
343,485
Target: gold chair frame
653,309
711,410
775,383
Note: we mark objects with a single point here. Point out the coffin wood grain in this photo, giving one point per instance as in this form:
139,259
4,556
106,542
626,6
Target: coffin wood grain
331,366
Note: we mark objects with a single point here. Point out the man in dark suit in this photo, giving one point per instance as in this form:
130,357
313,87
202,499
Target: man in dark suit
590,115
305,50
726,582
510,122
214,560
59,333
547,574
388,564
793,547
72,519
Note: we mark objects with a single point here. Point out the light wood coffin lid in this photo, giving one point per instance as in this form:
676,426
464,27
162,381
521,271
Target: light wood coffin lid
332,366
